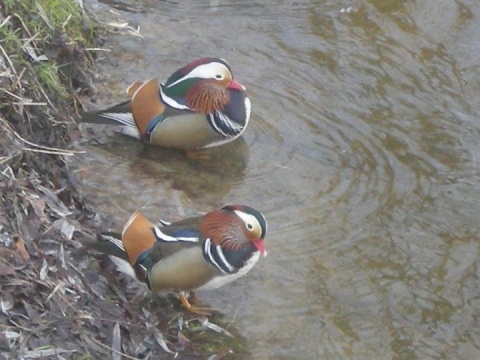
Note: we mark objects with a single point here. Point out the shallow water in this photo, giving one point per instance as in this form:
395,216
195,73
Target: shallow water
362,152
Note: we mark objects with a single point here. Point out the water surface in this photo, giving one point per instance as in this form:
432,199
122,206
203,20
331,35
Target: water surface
362,152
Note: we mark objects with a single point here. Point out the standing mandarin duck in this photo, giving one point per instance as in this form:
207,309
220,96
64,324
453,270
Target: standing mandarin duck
199,106
198,253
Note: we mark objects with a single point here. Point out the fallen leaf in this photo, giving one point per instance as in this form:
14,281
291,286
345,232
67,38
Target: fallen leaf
5,269
8,339
53,202
65,227
7,253
6,303
44,270
61,257
42,353
220,355
116,342
38,205
182,339
161,341
206,323
21,249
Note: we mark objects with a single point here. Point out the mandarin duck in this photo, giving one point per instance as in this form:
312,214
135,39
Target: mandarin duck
199,106
198,253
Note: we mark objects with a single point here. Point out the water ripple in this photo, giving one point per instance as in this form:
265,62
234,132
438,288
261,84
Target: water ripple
363,153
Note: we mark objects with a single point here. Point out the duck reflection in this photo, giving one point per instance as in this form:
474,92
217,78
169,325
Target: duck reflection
211,172
144,171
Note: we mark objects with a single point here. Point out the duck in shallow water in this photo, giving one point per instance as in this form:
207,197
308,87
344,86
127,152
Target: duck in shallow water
199,106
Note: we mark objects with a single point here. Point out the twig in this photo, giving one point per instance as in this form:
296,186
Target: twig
5,159
20,326
7,19
28,32
66,21
29,41
59,285
29,103
8,60
9,169
40,87
13,95
22,100
53,152
112,349
23,24
97,49
41,148
17,80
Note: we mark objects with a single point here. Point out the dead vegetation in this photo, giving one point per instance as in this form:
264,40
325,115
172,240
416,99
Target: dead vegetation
55,302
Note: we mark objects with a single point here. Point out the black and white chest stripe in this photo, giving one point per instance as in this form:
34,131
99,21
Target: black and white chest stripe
223,125
228,261
215,256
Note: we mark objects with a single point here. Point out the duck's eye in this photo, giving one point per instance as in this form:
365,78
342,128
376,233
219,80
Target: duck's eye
219,76
249,227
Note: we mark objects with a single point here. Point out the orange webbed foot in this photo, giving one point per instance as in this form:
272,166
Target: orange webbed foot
200,155
205,311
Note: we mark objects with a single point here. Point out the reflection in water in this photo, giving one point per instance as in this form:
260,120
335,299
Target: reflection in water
212,175
363,154
145,176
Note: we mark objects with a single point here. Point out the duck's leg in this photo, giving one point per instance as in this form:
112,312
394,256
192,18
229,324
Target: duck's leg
206,311
192,296
199,155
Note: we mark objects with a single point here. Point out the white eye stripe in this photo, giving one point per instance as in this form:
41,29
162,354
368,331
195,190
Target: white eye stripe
205,71
250,221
